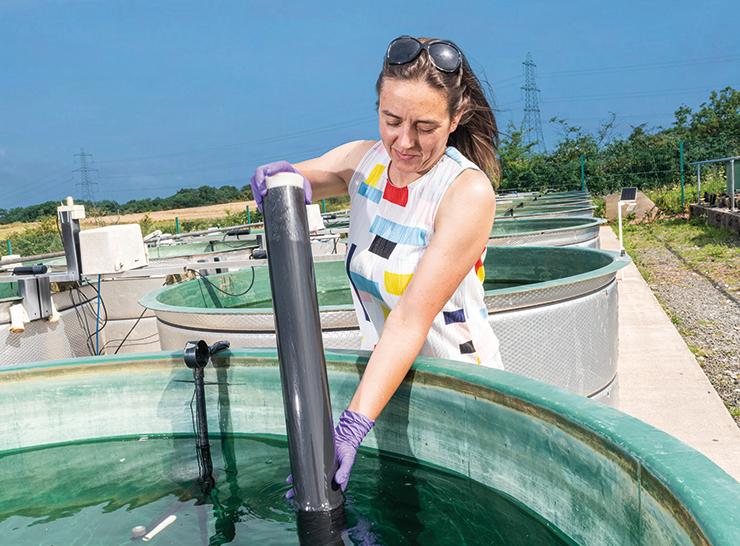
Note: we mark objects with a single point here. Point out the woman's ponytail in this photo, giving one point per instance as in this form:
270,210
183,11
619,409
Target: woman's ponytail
476,136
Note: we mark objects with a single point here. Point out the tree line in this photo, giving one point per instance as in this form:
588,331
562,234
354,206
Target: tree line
184,198
647,157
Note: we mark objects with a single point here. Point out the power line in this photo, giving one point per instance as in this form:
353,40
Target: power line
86,184
532,124
674,63
630,95
642,66
252,160
269,140
647,115
294,156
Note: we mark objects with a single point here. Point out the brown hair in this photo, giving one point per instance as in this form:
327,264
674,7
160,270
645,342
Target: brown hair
476,136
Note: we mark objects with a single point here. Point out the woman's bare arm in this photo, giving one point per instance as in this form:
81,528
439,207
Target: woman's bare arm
462,227
330,173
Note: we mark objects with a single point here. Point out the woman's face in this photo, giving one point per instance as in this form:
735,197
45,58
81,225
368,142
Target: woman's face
414,125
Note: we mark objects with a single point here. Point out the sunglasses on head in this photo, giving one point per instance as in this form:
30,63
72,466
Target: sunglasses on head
445,56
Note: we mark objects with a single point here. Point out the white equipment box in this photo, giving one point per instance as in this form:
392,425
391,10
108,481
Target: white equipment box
315,221
112,249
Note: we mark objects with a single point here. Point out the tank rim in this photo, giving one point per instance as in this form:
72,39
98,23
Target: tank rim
617,262
706,494
592,222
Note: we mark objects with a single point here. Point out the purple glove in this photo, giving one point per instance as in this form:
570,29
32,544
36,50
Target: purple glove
351,430
348,435
259,179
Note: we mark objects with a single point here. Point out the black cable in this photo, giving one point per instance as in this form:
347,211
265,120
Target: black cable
205,278
95,313
133,327
131,341
85,304
195,430
81,319
98,322
131,330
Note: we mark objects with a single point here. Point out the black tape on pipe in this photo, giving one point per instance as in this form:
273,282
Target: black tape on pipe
300,350
38,269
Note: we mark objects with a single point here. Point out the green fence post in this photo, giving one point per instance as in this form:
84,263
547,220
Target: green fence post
249,215
10,247
177,224
323,205
680,160
583,172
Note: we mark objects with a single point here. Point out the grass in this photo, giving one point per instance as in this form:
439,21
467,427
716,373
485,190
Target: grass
697,351
600,204
709,251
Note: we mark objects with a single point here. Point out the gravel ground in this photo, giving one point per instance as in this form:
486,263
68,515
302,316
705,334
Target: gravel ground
706,313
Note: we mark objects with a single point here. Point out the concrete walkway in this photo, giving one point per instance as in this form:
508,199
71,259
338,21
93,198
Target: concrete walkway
660,382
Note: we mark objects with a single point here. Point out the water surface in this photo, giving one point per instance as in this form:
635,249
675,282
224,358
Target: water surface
95,493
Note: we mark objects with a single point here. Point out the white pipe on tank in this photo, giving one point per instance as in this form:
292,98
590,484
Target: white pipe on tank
18,318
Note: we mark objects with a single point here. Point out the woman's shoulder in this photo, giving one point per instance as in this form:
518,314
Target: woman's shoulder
473,183
455,157
471,189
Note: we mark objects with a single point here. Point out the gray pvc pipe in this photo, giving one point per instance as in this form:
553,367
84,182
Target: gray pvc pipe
300,347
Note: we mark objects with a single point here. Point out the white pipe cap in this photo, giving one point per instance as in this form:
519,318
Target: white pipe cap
284,179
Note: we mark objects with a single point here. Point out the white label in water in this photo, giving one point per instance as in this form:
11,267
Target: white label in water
166,522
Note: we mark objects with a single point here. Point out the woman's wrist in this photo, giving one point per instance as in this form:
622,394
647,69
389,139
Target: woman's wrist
353,427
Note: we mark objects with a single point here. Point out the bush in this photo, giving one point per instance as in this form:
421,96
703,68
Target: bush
39,239
668,198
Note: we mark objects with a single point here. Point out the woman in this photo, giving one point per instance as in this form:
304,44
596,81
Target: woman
422,208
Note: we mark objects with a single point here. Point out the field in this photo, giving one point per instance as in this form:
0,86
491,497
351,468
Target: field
42,236
195,213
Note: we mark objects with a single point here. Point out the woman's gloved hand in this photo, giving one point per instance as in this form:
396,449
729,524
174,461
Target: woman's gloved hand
259,178
348,435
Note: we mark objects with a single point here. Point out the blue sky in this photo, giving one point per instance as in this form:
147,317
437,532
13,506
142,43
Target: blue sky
171,94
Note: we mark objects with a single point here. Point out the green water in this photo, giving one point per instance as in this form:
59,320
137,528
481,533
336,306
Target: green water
343,296
95,493
497,284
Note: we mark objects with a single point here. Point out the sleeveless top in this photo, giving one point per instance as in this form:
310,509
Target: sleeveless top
389,230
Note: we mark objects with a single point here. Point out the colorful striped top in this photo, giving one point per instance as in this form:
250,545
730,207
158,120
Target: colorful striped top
390,228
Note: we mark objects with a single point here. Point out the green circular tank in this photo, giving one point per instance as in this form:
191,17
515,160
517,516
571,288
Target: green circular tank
568,231
535,230
553,309
584,208
593,473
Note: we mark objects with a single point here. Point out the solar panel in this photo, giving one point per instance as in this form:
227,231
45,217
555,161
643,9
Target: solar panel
628,194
